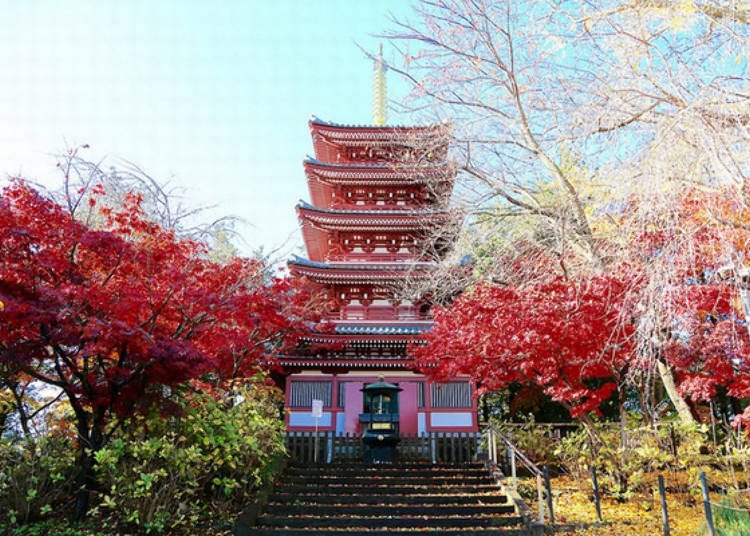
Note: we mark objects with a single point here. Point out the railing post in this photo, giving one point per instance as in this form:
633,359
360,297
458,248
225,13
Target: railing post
548,485
664,513
540,498
707,505
488,444
597,499
492,446
514,480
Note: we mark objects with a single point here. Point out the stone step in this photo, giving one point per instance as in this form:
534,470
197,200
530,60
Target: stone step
331,489
437,499
373,468
392,510
369,470
388,499
386,480
434,522
459,531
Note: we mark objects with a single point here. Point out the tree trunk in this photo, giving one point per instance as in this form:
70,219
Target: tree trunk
91,442
85,469
622,477
667,379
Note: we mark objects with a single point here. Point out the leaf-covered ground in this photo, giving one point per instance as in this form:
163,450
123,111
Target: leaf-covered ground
640,514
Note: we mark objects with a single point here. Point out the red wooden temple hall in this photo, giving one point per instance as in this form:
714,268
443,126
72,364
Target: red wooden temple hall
378,197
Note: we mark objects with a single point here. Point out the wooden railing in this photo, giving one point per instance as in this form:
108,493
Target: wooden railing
433,447
504,457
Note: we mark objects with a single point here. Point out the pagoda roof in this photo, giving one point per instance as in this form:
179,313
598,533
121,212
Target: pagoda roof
387,129
342,273
364,266
319,222
364,340
382,174
404,219
345,362
382,135
382,330
371,334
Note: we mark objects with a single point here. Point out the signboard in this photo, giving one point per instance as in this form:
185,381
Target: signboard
317,409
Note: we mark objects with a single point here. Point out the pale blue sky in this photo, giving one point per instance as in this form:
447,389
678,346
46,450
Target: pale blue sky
212,96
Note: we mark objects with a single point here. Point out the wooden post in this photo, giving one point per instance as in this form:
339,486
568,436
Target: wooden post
707,505
664,514
514,478
540,498
491,447
597,499
548,486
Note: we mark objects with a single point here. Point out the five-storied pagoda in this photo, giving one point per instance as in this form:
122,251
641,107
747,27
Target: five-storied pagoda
378,200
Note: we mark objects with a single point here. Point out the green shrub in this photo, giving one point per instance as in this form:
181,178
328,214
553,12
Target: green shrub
731,517
625,458
35,476
47,528
168,472
539,442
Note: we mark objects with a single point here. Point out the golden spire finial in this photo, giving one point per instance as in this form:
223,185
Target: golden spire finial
379,102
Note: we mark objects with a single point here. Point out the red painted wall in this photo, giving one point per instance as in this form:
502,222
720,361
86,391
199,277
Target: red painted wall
407,407
353,396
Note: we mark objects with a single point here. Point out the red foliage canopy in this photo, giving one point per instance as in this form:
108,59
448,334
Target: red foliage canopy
563,336
709,347
104,314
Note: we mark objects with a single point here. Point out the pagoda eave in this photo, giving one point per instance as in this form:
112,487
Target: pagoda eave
324,273
380,174
385,133
346,364
376,220
359,278
363,226
363,339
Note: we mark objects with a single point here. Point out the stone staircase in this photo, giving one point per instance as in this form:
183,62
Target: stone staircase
387,499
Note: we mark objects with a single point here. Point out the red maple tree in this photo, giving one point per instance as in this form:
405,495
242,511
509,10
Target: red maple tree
565,337
111,315
709,345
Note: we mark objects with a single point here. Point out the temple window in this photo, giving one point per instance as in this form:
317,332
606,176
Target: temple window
302,393
451,395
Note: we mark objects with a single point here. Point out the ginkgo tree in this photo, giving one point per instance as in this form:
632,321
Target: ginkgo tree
694,317
111,315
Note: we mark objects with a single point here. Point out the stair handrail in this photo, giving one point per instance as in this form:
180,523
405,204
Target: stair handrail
531,466
514,453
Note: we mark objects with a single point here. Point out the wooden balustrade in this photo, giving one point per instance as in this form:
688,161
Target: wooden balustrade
433,447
